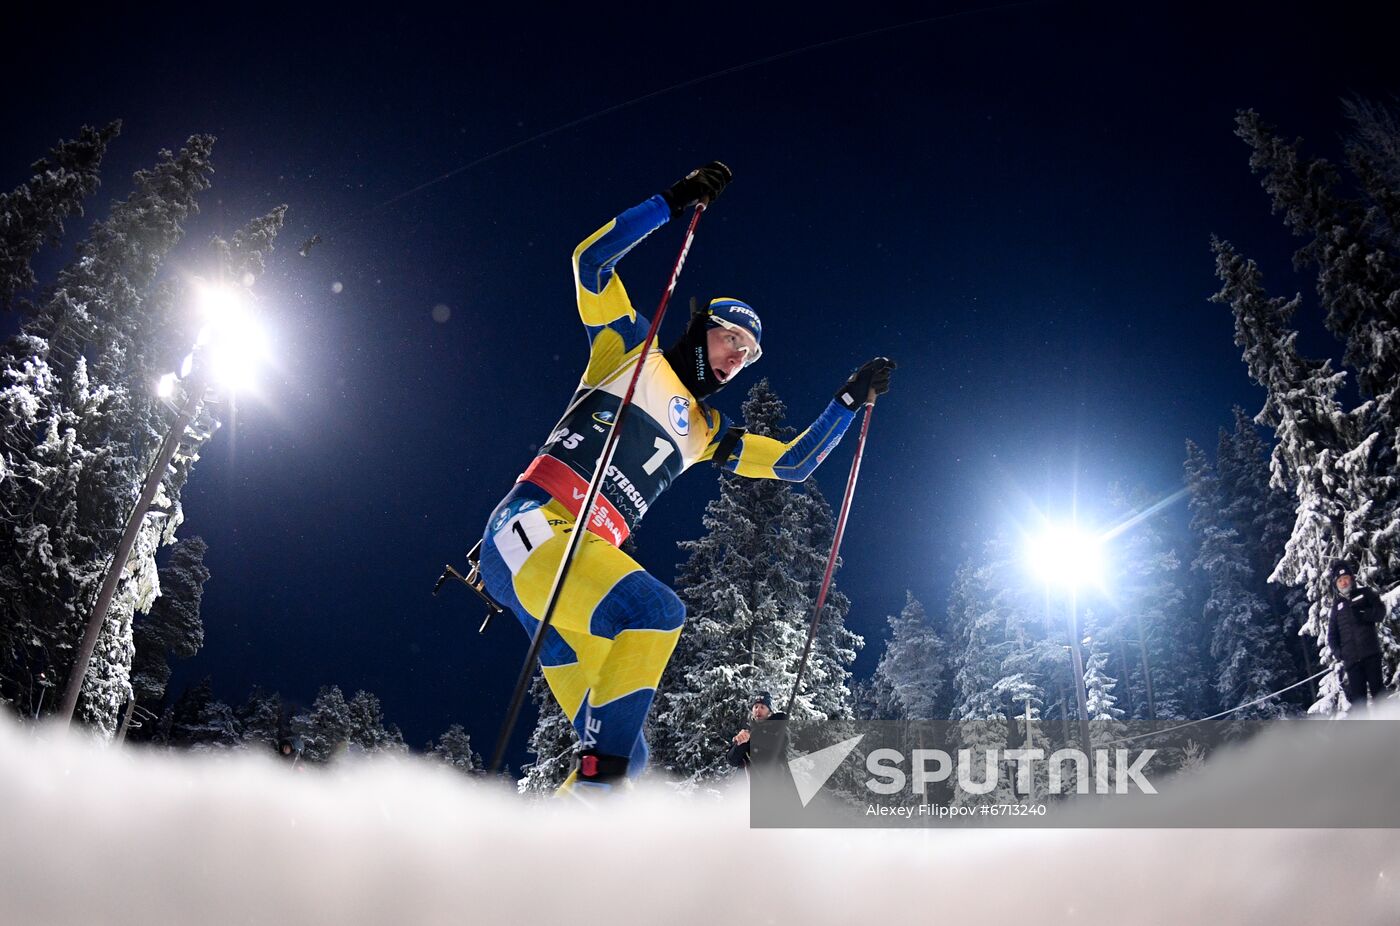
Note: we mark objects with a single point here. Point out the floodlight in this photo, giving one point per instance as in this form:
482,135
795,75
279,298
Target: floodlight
1067,556
232,342
218,301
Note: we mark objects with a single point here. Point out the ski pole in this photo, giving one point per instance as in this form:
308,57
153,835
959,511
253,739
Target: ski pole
586,509
835,548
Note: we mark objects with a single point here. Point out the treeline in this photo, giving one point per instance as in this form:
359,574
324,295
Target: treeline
332,727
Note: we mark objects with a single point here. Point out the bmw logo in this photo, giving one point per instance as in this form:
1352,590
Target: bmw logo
680,415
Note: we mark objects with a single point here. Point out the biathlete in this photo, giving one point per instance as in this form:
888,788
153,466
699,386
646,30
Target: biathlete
615,626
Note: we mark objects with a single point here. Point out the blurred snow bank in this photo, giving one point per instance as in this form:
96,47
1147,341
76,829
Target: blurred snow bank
97,835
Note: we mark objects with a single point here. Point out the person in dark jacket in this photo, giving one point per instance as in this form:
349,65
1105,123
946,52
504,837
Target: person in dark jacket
1351,634
763,741
761,749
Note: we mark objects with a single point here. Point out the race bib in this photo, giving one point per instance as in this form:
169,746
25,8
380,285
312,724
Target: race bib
521,535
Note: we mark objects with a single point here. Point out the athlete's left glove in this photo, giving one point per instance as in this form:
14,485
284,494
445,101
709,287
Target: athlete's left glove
875,374
702,183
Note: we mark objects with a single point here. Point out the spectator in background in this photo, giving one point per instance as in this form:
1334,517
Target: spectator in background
763,741
1352,637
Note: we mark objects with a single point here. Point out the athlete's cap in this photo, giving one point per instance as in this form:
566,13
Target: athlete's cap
738,316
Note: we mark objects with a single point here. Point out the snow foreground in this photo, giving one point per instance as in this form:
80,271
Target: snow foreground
96,834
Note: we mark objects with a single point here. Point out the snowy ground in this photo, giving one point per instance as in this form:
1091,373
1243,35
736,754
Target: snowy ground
96,835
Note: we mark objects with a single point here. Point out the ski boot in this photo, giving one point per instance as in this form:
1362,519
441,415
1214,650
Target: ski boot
595,777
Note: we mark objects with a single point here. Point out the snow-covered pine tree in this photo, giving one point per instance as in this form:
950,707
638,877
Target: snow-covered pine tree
873,699
325,728
1273,528
35,568
1105,717
979,639
1351,239
826,694
32,216
1262,516
1159,645
368,732
454,749
1245,644
1316,442
334,726
748,588
259,718
199,721
173,626
1348,492
914,668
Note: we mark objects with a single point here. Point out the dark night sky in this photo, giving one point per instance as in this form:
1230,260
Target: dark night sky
1014,204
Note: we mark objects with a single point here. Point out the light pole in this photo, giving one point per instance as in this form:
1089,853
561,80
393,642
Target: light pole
1066,557
228,344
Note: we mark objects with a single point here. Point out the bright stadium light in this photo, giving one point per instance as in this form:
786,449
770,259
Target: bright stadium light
1066,556
219,301
166,387
232,342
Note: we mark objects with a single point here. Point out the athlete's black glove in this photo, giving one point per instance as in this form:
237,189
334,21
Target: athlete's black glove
702,183
875,374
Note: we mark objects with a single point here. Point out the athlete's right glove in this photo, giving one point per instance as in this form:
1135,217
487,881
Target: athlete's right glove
875,374
702,183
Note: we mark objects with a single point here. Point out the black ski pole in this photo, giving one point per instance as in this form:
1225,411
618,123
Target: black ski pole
835,548
586,509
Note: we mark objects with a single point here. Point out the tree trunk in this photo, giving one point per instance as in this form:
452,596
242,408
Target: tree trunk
1127,682
1146,670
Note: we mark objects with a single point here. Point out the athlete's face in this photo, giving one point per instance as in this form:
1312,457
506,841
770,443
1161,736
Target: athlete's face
1343,584
762,712
729,350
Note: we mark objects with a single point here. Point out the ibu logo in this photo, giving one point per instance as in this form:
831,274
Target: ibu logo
511,510
680,415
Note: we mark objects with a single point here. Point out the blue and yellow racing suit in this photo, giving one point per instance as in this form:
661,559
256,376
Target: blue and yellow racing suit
615,626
